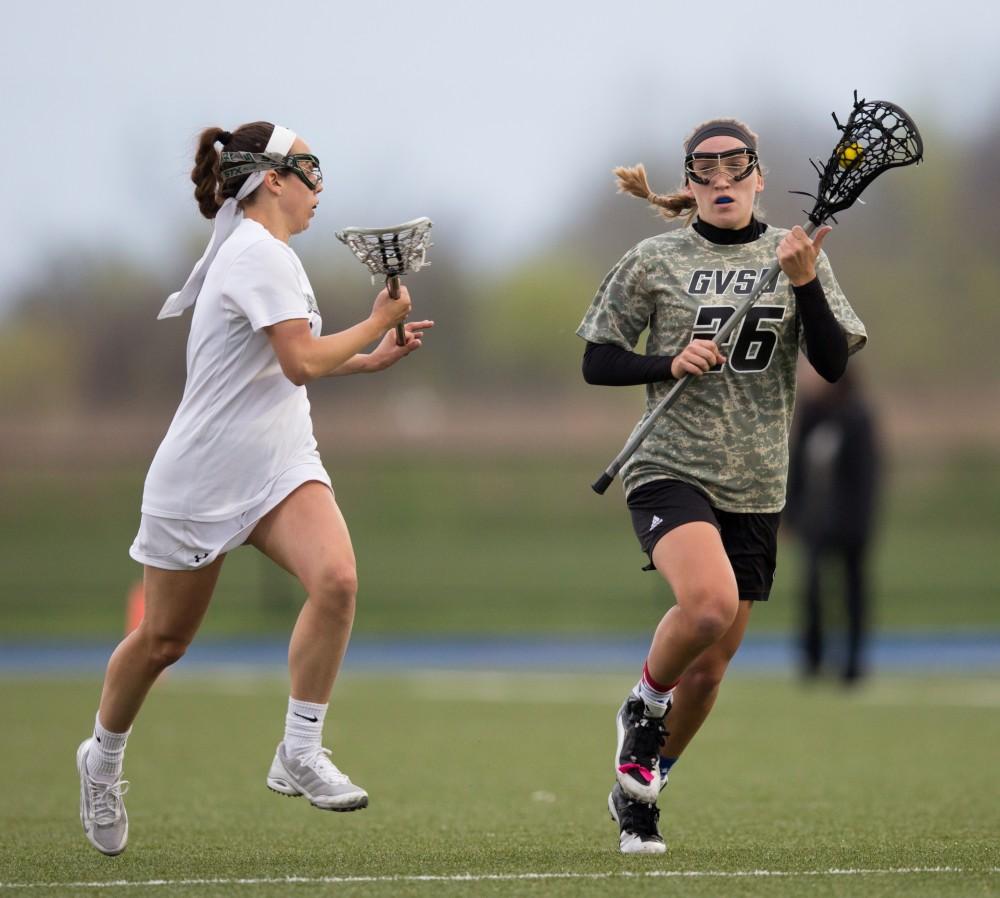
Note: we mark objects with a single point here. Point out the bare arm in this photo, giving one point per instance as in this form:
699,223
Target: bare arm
304,358
387,352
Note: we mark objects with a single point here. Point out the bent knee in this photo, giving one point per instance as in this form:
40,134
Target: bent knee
162,651
335,588
712,611
711,626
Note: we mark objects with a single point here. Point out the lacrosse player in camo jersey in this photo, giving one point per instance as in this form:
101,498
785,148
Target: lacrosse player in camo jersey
706,488
239,465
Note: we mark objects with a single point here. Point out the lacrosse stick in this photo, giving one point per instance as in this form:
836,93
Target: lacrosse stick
877,136
391,252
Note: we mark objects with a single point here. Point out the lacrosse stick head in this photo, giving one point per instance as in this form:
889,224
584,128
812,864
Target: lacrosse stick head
391,251
877,136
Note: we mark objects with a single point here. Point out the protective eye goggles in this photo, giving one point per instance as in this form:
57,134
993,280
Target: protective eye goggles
736,164
304,165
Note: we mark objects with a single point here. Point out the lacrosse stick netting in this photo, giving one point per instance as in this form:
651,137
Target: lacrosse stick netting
391,252
877,136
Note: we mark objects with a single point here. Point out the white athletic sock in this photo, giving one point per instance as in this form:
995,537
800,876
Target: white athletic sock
303,727
657,698
106,753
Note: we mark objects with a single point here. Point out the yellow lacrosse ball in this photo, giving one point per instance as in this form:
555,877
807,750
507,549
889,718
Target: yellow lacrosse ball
849,155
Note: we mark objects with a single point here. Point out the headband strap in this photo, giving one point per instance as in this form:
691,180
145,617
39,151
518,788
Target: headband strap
719,129
226,221
279,144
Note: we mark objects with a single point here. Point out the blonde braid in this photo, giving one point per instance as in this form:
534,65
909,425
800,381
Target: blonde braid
672,205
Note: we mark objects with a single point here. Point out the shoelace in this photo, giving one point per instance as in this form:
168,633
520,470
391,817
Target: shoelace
641,819
644,738
106,800
321,763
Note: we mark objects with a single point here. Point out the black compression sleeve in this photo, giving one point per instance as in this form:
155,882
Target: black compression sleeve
826,342
612,366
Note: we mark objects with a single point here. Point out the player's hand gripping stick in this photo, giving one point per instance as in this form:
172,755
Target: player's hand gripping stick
392,284
391,252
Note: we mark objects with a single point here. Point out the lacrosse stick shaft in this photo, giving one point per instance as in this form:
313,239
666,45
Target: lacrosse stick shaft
610,472
392,285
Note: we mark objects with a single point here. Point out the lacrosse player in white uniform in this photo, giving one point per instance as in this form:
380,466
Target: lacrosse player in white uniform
706,488
239,464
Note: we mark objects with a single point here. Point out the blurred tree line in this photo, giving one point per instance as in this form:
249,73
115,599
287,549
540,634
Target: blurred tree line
919,262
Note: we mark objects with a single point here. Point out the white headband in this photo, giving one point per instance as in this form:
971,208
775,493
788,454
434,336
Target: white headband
226,221
280,143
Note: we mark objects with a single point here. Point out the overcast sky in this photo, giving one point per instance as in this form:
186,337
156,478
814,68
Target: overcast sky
492,118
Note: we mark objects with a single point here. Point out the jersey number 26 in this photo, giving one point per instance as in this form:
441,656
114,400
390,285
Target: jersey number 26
754,344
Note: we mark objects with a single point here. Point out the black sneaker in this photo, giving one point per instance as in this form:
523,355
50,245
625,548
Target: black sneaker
636,821
637,758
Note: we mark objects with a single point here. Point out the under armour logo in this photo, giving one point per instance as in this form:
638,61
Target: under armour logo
656,523
198,559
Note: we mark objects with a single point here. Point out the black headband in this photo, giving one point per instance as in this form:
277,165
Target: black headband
719,129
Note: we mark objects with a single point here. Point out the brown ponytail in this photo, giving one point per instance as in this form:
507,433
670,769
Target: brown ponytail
205,173
670,206
209,189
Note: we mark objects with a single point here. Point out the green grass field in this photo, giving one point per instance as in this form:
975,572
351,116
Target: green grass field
467,545
495,784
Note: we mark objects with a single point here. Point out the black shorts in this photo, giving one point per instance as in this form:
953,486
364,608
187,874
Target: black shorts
750,539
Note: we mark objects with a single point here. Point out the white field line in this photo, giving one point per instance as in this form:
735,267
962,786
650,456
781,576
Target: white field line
498,877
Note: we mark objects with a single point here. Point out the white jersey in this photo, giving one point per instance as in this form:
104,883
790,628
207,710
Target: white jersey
241,423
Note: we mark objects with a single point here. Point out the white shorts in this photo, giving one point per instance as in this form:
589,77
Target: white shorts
177,544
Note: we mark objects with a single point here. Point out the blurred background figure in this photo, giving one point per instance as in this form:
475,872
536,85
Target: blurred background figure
833,486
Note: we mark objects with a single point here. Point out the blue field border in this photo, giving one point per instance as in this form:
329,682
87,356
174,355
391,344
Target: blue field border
955,652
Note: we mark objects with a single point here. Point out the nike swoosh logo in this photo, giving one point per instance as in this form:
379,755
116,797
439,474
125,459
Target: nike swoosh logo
303,716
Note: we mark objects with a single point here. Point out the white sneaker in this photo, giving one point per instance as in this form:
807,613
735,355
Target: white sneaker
102,808
317,778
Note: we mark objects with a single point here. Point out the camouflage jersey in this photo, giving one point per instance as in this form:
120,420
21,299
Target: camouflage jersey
727,434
